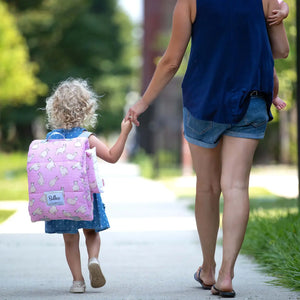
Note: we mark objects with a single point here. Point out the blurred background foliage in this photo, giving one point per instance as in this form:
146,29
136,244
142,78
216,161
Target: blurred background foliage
285,122
18,81
46,41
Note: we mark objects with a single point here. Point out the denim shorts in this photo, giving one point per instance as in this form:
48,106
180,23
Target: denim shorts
207,134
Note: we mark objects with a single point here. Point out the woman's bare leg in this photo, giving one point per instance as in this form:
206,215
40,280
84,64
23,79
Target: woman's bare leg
207,165
73,255
237,157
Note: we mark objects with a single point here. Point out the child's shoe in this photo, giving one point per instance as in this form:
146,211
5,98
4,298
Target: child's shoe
96,276
77,287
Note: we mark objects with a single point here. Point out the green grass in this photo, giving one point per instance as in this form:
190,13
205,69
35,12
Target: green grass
273,239
5,214
13,176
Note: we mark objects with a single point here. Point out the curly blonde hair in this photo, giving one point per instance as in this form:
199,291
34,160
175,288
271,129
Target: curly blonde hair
72,104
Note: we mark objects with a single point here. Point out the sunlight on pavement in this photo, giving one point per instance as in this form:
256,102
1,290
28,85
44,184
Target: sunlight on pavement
152,224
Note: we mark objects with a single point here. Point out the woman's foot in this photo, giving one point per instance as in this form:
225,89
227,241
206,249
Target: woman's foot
223,286
223,294
204,278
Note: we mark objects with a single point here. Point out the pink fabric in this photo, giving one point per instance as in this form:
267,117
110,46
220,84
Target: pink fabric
58,180
96,183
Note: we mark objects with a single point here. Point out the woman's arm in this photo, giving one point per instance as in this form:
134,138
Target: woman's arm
277,35
171,60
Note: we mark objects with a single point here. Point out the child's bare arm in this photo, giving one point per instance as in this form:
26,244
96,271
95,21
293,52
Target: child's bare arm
112,154
278,14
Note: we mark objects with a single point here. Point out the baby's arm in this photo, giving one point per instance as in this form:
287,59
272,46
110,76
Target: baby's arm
278,14
112,154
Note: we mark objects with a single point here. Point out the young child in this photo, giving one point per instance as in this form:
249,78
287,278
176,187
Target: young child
275,19
69,109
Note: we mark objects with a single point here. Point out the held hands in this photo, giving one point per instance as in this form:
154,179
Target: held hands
133,113
126,126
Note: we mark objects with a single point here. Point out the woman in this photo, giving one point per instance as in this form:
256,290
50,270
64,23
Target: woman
227,94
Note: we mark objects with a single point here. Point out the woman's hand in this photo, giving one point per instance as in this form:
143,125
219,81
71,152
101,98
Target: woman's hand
133,113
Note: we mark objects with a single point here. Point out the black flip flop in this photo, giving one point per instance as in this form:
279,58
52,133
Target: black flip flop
197,278
223,293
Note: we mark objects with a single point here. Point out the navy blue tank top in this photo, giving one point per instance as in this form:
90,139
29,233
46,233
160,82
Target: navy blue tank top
230,57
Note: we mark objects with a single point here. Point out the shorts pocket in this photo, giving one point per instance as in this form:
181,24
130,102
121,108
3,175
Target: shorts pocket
259,124
197,127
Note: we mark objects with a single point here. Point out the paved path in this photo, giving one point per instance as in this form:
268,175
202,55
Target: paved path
150,252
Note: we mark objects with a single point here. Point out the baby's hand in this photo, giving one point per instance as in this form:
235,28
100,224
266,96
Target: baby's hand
276,17
126,126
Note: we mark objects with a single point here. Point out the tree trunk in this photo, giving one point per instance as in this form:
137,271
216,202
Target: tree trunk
284,138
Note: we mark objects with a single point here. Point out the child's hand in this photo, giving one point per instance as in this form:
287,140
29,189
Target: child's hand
126,126
276,18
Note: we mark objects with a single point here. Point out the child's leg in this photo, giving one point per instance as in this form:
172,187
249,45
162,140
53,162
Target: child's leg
73,255
92,239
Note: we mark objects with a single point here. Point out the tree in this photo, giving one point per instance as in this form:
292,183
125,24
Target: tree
79,38
18,83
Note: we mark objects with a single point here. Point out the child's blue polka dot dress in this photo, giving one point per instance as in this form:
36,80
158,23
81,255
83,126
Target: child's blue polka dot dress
100,221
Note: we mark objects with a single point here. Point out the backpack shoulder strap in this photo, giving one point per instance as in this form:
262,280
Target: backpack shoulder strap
85,134
51,134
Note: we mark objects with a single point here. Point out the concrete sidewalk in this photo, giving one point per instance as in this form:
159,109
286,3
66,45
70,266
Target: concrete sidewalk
151,251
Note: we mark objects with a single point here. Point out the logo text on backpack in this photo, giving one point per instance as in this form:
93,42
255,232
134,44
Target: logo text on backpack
55,198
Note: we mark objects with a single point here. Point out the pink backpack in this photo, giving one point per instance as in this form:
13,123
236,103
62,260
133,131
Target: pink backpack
62,175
